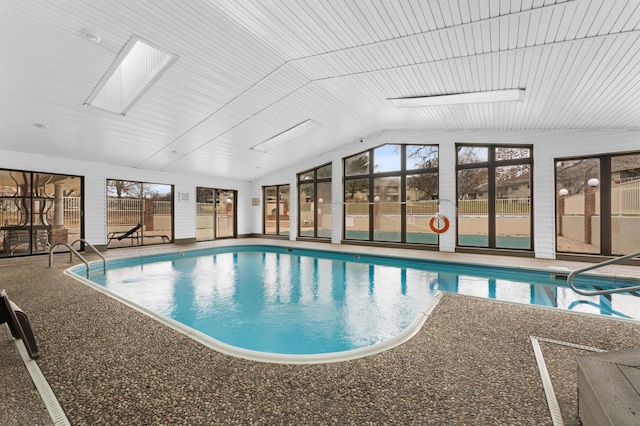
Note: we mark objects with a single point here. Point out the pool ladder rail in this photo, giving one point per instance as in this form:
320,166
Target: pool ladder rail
572,276
73,251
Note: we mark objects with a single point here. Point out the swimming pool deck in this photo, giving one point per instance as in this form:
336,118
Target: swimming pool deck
471,363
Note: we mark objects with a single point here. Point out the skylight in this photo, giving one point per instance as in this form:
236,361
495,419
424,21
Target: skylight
284,137
138,66
506,95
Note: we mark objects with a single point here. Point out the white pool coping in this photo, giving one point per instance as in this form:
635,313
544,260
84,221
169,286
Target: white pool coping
274,358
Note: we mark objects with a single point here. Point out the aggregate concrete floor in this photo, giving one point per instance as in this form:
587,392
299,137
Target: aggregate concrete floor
471,363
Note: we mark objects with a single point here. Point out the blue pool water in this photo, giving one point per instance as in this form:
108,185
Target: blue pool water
297,301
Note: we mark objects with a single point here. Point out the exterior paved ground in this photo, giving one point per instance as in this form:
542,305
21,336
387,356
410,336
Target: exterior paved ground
471,363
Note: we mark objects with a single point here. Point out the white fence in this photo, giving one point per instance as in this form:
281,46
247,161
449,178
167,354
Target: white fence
625,200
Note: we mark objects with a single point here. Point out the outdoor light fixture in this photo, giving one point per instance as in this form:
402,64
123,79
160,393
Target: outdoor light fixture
138,66
563,192
507,95
289,134
593,182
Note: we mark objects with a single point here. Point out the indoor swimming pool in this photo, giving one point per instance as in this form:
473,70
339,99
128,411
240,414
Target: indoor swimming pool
292,302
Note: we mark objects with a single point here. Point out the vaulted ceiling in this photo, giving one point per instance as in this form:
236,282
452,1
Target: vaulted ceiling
248,70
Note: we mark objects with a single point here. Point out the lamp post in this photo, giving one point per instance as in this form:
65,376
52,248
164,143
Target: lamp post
376,201
589,208
562,194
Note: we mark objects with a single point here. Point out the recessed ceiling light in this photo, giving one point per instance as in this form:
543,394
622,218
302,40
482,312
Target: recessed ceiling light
90,35
507,95
41,125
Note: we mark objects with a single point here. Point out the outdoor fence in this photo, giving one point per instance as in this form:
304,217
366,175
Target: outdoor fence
128,211
510,206
625,200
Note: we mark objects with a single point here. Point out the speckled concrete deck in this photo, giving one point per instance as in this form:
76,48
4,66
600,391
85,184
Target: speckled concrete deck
471,363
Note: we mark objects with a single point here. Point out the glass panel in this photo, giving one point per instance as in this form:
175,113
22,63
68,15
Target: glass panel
357,164
124,213
306,176
324,213
324,172
386,209
422,204
625,203
51,221
15,214
422,157
33,218
283,219
512,153
225,213
513,217
473,208
204,214
307,202
356,209
578,206
157,217
472,154
270,210
66,211
386,158
42,211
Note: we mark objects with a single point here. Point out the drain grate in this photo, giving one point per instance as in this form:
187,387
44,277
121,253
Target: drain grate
54,409
552,401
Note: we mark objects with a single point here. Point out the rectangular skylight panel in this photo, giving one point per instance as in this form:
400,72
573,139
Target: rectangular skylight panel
134,71
289,134
507,95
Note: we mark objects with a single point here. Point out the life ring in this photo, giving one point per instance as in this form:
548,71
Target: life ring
439,217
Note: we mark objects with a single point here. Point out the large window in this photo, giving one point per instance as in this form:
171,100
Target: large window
276,210
314,203
494,196
138,213
215,213
38,210
598,204
391,193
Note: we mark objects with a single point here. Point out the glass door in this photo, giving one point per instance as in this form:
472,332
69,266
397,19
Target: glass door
578,205
225,216
138,213
38,210
205,214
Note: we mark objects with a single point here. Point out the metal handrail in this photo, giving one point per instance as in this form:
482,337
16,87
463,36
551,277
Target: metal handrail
572,276
72,251
95,250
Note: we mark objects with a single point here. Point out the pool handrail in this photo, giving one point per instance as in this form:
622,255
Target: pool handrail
72,251
572,276
95,250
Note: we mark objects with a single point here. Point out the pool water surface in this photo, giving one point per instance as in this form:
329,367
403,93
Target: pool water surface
299,302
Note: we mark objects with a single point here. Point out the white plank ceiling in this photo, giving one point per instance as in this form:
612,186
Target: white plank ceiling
248,70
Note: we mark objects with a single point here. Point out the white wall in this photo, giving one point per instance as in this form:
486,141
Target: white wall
547,145
96,174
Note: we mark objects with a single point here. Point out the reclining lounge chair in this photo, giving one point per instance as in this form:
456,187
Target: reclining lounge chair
18,323
132,234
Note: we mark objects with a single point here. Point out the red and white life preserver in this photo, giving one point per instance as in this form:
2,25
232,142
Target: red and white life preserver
439,217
